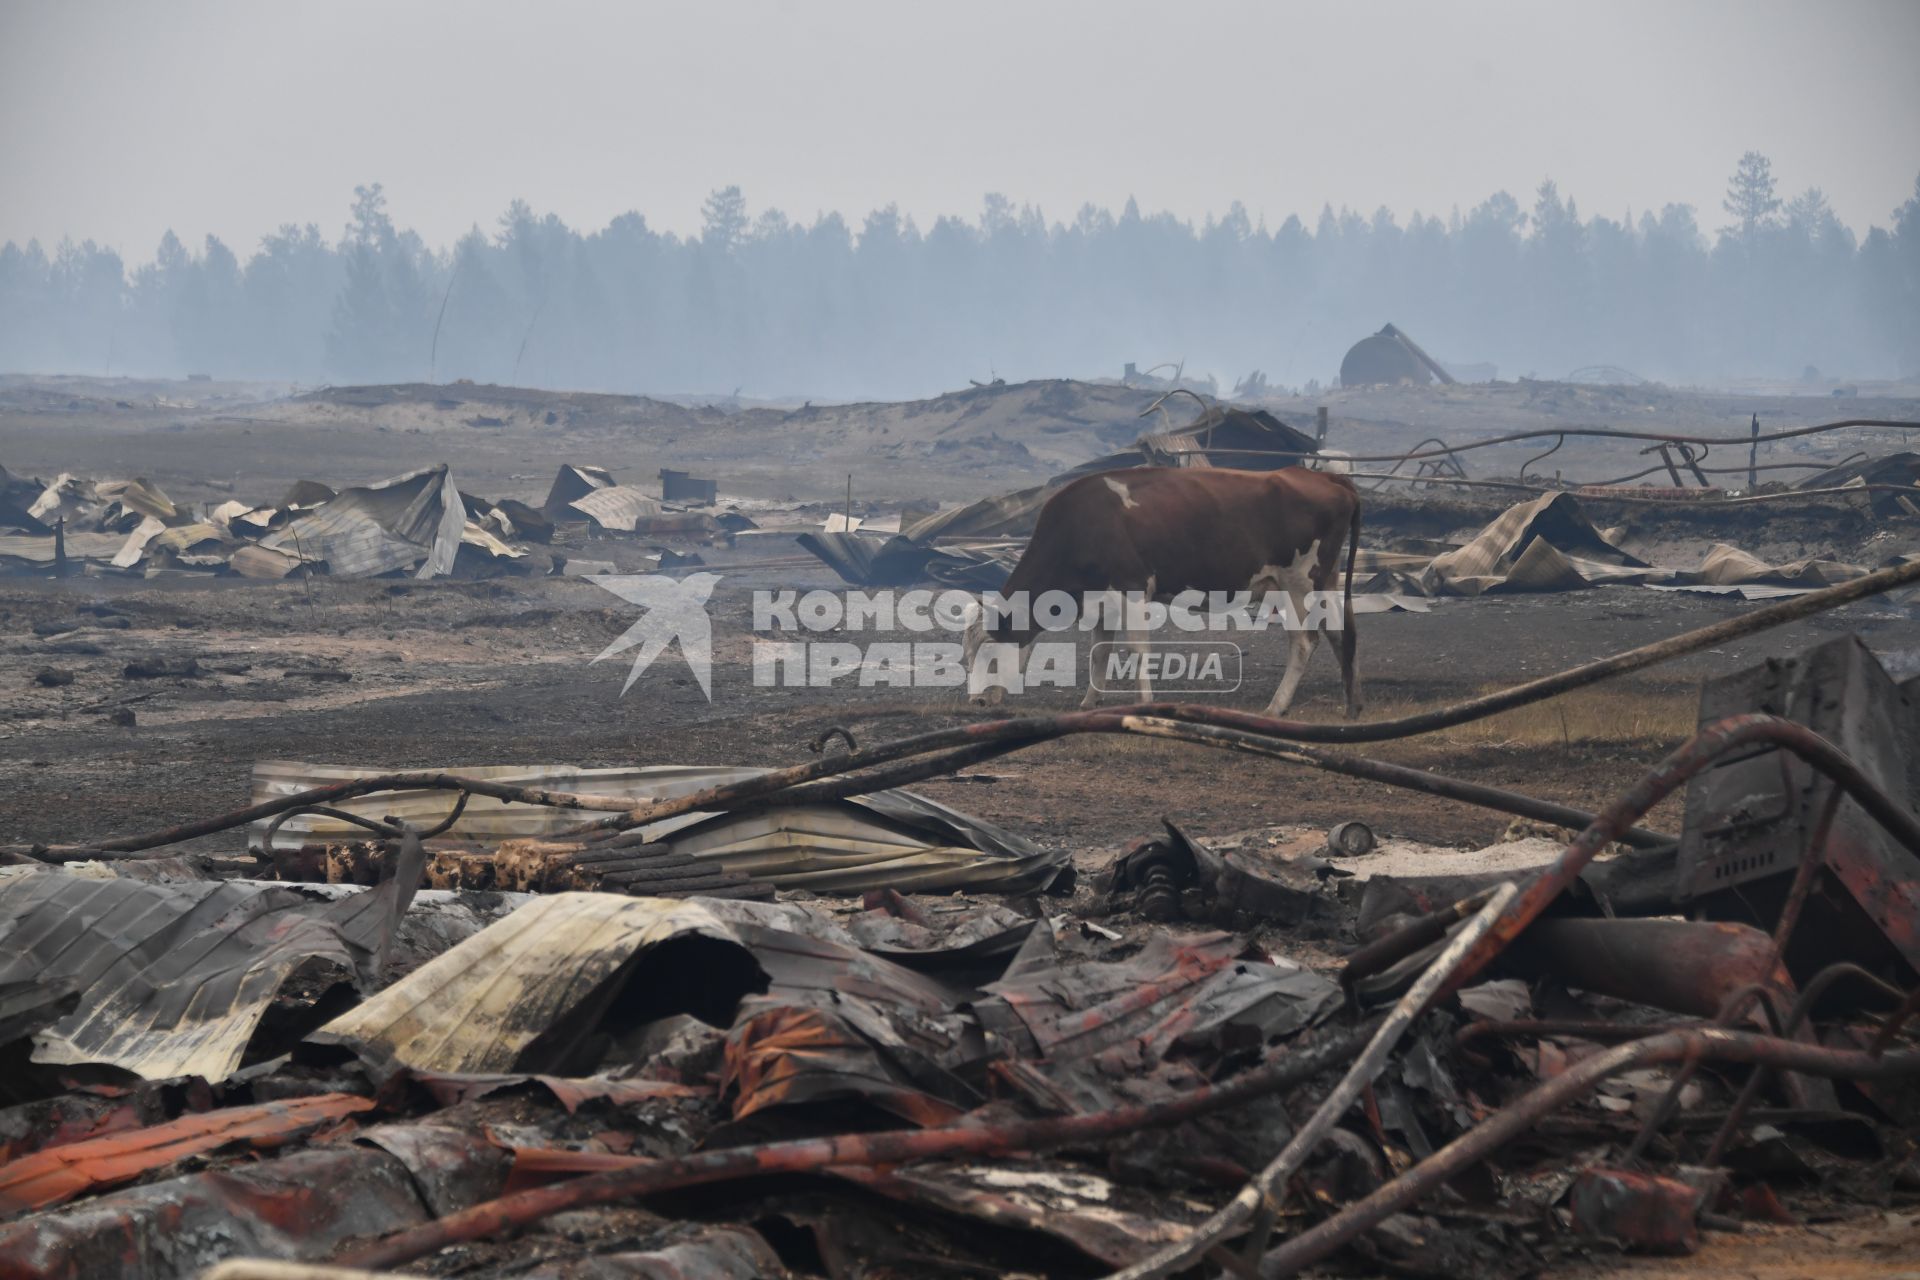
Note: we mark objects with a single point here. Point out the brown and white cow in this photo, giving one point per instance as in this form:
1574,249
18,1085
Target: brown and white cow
1161,531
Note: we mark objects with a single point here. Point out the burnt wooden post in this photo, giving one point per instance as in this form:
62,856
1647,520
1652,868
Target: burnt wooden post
60,547
1753,457
1320,425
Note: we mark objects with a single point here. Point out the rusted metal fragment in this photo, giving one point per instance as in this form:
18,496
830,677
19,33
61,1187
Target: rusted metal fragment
61,1173
451,1168
1640,1211
1099,1021
75,1117
718,1253
788,1056
300,1206
570,1092
172,979
1753,817
1680,965
1084,1211
524,866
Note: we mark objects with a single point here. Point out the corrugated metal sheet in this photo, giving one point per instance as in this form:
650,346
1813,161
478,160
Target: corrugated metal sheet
835,1022
38,549
137,495
258,562
412,519
1548,544
616,508
136,544
170,979
573,481
478,1007
891,839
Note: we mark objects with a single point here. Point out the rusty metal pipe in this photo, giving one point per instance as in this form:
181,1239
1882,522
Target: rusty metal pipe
646,1177
1580,1028
1682,966
412,781
1498,799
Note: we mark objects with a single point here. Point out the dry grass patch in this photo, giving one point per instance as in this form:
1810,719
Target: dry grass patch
1597,715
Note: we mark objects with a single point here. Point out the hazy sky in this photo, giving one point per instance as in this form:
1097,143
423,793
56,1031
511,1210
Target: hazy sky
123,118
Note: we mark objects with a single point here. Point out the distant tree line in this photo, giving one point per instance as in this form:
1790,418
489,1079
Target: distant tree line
769,306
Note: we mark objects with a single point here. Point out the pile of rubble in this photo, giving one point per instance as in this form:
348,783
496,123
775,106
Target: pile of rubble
407,1033
419,525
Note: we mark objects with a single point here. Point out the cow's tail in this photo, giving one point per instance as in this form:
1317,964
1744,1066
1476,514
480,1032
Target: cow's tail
1349,635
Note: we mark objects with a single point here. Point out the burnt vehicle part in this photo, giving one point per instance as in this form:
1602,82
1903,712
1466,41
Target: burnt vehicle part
1756,817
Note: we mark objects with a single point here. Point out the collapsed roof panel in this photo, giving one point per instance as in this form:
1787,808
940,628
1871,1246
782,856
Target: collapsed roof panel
170,979
889,839
411,519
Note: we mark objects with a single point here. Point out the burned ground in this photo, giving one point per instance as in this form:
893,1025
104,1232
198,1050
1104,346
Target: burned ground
403,675
165,692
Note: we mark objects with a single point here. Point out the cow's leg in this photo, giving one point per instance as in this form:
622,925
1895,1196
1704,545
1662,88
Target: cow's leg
1141,641
1099,636
1295,580
971,638
1092,696
1300,644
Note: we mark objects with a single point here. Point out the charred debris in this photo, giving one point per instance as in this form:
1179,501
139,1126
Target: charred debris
803,1021
416,525
694,1022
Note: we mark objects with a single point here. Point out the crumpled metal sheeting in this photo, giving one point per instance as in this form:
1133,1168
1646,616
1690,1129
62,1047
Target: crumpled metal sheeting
17,496
28,1127
889,839
1548,544
451,1167
1543,544
573,481
835,1021
171,978
617,508
718,1253
410,519
839,1022
866,560
58,1174
571,1092
476,1008
300,1206
1077,1208
480,1006
785,1055
1129,1015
